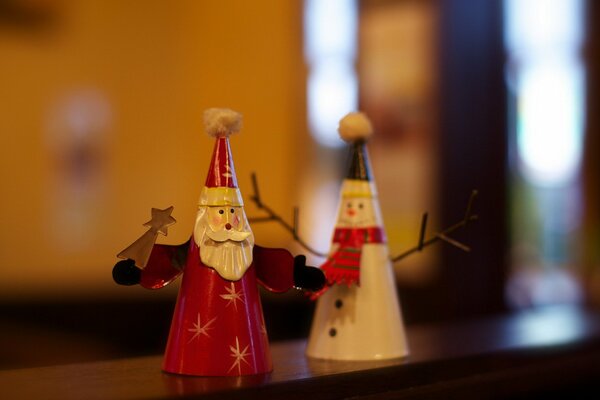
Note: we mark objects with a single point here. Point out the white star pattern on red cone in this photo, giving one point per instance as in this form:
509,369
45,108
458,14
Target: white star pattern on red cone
227,172
232,296
239,356
198,329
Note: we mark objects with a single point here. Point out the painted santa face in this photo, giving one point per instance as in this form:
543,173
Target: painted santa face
226,223
224,239
357,212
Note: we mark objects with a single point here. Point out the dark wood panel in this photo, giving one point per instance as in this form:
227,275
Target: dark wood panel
473,119
555,349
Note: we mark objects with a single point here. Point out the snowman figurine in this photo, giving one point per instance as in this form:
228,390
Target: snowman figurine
358,315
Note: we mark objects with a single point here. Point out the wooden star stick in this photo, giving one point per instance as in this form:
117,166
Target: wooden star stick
443,235
139,251
273,216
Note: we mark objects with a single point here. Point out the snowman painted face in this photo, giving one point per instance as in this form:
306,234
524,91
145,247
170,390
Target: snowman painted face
357,212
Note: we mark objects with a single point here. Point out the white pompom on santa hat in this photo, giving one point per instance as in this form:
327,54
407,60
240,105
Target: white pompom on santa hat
222,122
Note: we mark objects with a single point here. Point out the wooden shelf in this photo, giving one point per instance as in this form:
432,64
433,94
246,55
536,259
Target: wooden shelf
549,351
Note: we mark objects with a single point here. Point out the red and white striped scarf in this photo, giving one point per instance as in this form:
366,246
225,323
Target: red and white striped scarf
343,266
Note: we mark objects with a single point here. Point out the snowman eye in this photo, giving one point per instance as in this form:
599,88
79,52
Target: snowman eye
232,210
221,211
349,205
360,205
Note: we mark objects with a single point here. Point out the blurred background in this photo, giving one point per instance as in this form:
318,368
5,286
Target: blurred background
101,119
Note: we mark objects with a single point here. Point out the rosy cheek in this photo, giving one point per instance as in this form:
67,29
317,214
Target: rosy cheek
215,220
236,220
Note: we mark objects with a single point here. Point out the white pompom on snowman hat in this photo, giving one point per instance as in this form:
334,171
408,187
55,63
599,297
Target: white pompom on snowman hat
355,126
222,122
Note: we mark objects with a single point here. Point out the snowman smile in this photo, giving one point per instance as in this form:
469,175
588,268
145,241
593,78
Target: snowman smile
355,223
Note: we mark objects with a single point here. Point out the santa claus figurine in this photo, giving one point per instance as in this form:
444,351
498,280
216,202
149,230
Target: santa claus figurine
357,316
218,327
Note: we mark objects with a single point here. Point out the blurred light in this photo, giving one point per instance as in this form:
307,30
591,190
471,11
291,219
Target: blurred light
536,25
550,122
332,93
543,38
548,327
547,77
330,28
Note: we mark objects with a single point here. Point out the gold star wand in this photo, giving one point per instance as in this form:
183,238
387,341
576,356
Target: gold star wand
139,251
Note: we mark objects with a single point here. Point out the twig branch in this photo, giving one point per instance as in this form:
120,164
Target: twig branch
273,216
444,234
422,234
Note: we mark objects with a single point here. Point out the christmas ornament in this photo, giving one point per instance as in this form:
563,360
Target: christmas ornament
218,327
358,314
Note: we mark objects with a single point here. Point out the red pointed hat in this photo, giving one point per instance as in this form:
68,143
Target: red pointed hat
221,188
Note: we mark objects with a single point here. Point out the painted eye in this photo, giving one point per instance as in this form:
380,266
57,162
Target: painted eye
349,205
360,205
232,210
221,211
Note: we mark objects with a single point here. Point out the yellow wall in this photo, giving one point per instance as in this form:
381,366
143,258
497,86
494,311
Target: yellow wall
143,72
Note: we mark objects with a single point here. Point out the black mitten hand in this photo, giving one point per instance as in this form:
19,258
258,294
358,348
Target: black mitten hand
306,277
126,273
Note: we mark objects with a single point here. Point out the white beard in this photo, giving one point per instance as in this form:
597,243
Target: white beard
229,257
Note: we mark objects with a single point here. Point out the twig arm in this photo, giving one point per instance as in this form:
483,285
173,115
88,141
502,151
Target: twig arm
273,216
442,235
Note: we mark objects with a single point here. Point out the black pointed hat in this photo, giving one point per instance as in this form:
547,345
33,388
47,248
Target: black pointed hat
359,162
355,128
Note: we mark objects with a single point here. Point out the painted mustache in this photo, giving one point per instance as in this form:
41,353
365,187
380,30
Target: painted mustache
224,235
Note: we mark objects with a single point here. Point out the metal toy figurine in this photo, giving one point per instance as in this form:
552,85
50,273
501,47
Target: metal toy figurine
358,314
218,327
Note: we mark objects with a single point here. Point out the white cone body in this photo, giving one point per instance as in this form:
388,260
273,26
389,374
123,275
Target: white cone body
361,322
